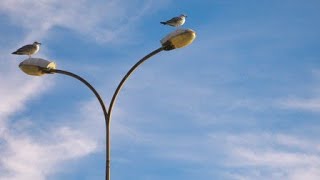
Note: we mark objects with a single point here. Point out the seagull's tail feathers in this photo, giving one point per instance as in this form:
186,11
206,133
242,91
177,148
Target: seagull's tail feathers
164,23
15,52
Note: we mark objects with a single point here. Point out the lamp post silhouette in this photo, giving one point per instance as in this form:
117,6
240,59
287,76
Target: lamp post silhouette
38,67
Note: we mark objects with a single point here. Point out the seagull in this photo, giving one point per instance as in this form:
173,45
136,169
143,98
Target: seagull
28,49
176,21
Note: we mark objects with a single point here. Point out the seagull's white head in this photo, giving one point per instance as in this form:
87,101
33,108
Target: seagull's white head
36,43
183,15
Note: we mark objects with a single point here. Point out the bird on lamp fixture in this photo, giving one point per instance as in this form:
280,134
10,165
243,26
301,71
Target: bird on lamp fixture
29,49
176,21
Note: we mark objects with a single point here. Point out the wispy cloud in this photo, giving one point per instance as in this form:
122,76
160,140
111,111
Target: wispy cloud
18,89
100,21
271,156
301,104
306,99
24,157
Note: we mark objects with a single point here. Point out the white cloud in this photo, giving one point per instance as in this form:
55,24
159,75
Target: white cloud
312,104
26,158
18,89
99,20
272,156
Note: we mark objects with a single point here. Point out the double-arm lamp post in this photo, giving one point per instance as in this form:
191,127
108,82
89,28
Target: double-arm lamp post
38,67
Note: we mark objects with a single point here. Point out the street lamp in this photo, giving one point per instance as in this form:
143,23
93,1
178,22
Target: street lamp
39,67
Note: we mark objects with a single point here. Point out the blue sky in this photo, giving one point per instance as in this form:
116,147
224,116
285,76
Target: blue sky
240,103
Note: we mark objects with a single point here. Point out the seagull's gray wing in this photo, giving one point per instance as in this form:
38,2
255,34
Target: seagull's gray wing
174,20
26,49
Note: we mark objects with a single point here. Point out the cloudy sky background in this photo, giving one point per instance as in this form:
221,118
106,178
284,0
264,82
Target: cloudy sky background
240,103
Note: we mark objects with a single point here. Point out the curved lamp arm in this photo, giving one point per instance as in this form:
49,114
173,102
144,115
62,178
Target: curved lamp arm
105,113
134,67
115,94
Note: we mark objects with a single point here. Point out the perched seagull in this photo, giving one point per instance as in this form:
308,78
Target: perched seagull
176,21
28,49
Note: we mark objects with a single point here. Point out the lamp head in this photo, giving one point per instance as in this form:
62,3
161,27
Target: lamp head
178,39
36,66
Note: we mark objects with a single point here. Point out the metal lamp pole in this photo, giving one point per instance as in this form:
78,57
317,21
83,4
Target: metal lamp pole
38,67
